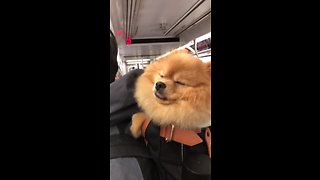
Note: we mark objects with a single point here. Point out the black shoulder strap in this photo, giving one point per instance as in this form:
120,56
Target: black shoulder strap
123,145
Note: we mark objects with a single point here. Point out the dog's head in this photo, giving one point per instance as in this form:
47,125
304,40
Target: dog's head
176,88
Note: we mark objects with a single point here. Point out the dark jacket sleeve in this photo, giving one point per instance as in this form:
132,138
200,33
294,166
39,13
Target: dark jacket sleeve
122,102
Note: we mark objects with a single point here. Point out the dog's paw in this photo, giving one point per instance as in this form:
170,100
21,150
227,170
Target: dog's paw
136,132
137,121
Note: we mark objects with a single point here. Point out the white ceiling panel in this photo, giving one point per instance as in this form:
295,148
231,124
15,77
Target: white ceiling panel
151,19
153,13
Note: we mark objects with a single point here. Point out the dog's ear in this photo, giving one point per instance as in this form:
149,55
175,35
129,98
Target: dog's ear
177,51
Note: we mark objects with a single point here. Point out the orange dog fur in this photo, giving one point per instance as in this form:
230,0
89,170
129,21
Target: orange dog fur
185,98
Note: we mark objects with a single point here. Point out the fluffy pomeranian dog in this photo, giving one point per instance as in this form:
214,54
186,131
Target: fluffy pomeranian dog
174,90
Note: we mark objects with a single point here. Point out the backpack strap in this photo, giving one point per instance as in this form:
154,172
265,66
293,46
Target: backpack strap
144,127
208,140
123,145
187,137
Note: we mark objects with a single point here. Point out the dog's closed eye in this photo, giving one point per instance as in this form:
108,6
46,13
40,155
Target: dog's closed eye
180,83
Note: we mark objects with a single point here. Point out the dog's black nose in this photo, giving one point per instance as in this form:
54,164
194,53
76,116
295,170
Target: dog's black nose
160,85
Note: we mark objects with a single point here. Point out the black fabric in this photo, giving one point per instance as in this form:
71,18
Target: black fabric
192,169
148,168
122,102
169,156
122,144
